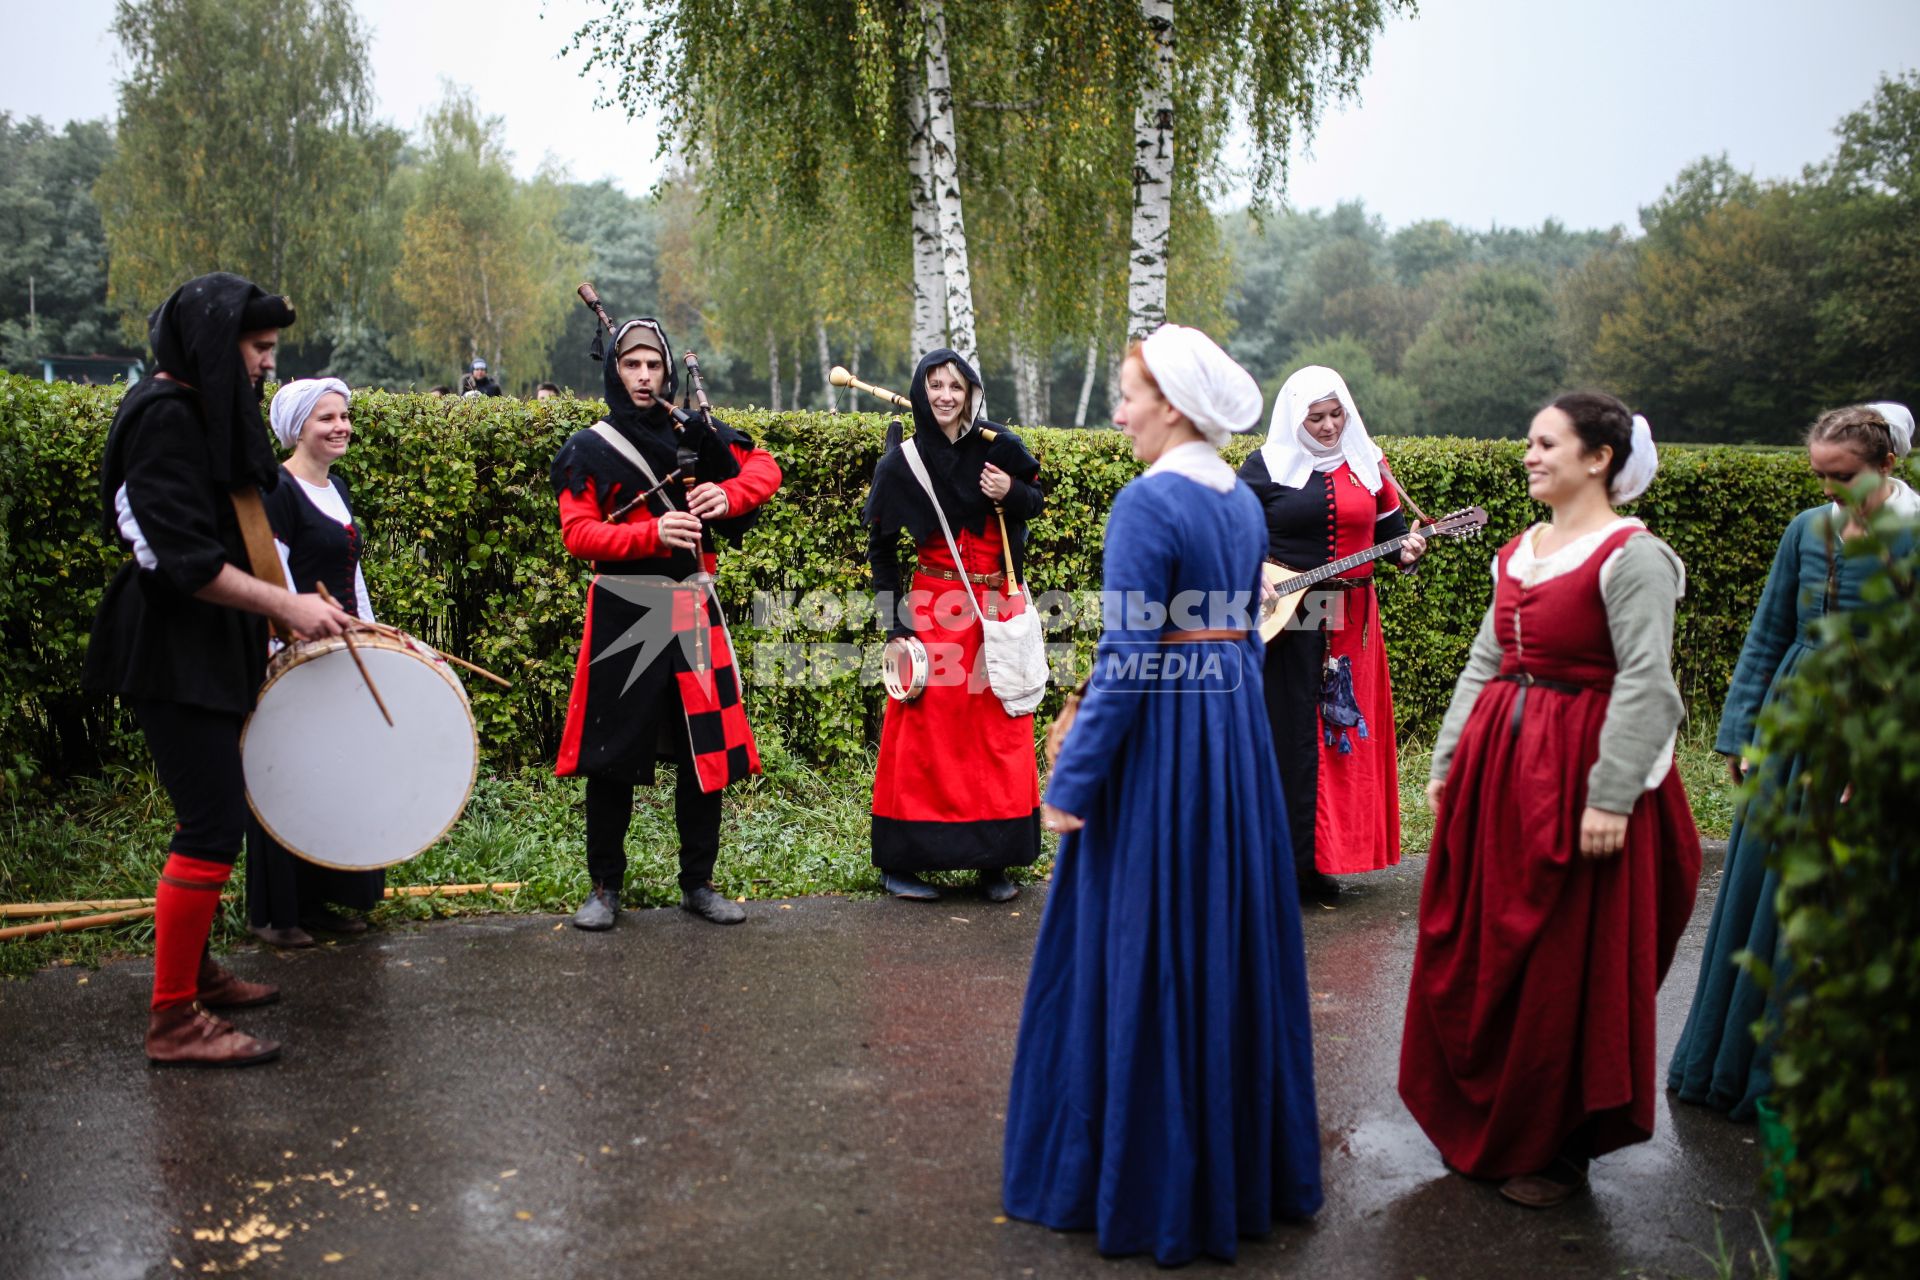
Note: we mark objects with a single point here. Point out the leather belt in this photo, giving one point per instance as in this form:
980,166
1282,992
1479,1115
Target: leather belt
1527,680
1204,635
995,579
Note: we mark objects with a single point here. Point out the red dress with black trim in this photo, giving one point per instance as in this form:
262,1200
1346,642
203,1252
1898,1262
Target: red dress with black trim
957,787
1342,782
654,643
1531,1013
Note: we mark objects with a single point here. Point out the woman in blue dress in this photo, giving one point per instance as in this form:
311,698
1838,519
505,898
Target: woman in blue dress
1718,1062
1163,1079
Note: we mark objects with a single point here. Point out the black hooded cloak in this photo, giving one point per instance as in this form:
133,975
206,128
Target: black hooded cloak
897,501
179,446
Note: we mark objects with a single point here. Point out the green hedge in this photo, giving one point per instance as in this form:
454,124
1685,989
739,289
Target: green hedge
464,550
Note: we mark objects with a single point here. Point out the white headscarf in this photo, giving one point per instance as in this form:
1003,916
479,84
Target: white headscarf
1899,421
1643,460
1292,454
293,404
1200,380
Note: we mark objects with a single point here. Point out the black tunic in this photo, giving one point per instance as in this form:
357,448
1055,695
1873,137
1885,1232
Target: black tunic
896,500
319,548
151,638
1303,534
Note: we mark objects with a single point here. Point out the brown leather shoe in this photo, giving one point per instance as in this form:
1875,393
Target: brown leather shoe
292,936
186,1035
223,989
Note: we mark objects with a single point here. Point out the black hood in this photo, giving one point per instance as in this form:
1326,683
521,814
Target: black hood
195,336
917,392
621,411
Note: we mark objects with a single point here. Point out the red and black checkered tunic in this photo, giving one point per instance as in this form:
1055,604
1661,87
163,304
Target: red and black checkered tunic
654,657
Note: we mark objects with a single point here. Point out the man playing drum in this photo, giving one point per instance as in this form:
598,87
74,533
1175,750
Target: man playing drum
180,635
656,677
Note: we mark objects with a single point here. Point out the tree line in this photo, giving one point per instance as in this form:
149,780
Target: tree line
855,182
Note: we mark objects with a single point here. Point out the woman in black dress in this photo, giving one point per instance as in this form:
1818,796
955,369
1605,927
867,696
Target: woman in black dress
319,543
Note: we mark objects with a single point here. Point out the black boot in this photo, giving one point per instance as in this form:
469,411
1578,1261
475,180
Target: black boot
996,887
905,884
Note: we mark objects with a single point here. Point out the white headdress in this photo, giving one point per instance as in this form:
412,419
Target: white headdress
1899,420
1292,454
1203,382
293,404
1643,460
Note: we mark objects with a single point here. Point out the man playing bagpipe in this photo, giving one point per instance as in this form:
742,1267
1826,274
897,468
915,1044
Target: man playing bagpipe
642,496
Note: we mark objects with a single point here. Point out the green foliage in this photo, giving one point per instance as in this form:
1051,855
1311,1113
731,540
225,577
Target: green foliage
483,270
1751,307
464,550
246,144
1847,1071
1387,404
1487,359
52,238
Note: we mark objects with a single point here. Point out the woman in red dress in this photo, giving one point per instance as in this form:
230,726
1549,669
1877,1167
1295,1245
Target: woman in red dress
1328,493
1564,857
957,787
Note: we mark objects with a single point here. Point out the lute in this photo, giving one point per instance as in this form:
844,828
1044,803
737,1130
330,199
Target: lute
1289,585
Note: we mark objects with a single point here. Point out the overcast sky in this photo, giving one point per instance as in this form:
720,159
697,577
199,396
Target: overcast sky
1482,112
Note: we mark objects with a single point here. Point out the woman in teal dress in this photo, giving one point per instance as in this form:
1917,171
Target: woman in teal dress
1719,1062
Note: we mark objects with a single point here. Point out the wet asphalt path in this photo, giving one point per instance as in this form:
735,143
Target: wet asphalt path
817,1092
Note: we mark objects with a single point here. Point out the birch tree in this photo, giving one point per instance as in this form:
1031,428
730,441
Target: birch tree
1215,65
929,275
1152,178
944,152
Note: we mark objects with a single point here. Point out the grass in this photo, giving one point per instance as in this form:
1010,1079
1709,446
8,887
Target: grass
795,831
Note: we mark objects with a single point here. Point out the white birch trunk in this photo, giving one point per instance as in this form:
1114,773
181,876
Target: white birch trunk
945,153
799,370
773,372
1086,382
1026,384
929,280
1115,359
826,367
1152,180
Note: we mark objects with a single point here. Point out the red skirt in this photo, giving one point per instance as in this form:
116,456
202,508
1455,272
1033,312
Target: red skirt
1532,1006
957,785
1356,820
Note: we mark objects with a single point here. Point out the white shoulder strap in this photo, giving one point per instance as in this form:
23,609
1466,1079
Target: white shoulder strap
624,447
919,468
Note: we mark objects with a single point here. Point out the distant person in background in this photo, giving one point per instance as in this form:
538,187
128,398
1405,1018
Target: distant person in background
441,389
1328,493
478,379
319,542
546,391
1718,1062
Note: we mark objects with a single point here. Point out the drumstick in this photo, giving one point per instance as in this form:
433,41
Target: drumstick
398,634
346,634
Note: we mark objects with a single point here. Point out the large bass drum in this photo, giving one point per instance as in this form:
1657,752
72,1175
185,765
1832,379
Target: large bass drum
331,780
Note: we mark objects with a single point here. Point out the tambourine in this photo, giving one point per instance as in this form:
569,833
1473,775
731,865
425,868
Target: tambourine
903,668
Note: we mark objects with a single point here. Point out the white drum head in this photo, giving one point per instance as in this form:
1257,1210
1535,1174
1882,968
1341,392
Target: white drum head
332,781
